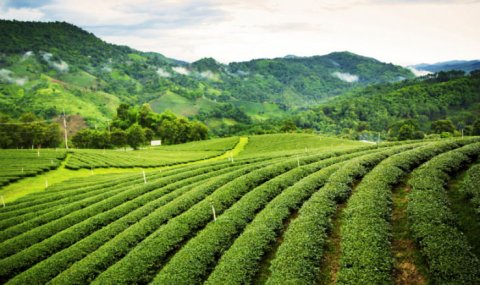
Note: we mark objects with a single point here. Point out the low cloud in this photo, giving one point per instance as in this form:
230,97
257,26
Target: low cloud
418,72
347,77
60,65
181,70
27,55
209,75
163,73
8,76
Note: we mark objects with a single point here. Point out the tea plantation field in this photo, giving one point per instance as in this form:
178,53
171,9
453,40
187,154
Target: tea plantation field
271,209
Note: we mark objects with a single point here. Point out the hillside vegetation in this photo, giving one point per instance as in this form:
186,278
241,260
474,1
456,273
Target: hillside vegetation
385,108
48,67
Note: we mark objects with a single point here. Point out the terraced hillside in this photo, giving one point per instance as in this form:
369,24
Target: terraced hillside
288,209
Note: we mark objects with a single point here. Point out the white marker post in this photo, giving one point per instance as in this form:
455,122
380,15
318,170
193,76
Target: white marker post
22,169
46,183
214,215
298,161
91,170
3,201
144,177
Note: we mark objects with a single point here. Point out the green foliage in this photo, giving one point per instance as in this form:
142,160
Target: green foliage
366,230
298,257
470,186
56,65
135,136
443,126
27,132
385,107
116,228
446,249
476,128
191,263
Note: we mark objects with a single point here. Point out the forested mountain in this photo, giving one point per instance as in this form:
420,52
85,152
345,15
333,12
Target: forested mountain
385,108
465,65
46,68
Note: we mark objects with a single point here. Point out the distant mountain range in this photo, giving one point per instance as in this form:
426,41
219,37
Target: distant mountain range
465,65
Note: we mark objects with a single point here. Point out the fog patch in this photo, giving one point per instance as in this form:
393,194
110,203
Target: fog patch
347,77
107,69
239,72
8,76
60,66
209,75
181,70
27,55
163,73
417,72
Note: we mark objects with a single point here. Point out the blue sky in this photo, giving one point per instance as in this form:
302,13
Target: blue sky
399,31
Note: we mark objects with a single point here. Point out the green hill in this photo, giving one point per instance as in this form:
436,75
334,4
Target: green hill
48,67
386,107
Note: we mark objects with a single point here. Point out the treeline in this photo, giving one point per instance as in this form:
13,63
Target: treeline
136,126
28,131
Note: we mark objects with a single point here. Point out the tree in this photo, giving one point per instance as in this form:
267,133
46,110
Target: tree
198,131
476,128
118,138
82,139
146,117
442,126
149,134
135,136
288,126
406,132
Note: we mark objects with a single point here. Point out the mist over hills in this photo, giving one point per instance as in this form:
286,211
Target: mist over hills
464,65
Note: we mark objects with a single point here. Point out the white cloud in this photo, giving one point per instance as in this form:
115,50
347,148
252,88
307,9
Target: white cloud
418,72
27,55
8,76
163,73
347,77
181,70
21,14
60,65
209,75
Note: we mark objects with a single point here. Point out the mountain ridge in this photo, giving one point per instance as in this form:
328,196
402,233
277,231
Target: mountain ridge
45,67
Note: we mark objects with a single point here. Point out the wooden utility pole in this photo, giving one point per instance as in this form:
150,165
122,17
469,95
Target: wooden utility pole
65,129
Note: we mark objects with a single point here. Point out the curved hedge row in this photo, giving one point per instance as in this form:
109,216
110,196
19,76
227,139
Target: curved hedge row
191,263
80,224
366,231
298,257
471,186
150,255
240,263
50,267
446,249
